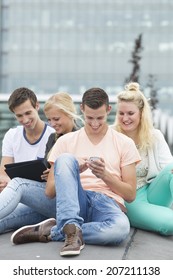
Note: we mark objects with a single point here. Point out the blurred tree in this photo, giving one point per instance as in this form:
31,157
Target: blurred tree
135,74
152,91
135,60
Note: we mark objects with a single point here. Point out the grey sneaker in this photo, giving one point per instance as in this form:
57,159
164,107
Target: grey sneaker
33,233
73,241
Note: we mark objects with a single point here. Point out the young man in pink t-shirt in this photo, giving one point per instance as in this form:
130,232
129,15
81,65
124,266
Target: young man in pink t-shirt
92,173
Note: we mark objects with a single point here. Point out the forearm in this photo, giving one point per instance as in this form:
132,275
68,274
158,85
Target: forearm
50,189
2,172
50,185
4,179
123,189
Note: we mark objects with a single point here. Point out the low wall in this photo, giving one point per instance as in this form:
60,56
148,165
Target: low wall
7,120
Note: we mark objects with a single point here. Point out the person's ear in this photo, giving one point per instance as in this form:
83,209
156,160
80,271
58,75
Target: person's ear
37,107
81,108
109,109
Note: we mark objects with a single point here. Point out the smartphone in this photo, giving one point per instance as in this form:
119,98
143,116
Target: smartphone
94,158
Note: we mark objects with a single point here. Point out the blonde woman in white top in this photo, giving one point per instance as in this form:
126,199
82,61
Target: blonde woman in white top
151,208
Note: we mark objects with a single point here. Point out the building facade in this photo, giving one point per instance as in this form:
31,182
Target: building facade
51,45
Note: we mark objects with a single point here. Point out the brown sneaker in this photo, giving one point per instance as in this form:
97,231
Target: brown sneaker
33,233
73,241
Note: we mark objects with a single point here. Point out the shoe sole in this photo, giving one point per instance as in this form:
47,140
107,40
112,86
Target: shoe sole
72,253
30,226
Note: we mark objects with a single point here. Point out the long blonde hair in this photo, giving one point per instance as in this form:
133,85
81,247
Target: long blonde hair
63,102
133,94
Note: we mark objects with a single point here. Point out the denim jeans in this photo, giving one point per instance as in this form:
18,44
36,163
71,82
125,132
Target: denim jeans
99,216
21,216
35,206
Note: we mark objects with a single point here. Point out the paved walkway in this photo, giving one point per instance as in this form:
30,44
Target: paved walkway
140,245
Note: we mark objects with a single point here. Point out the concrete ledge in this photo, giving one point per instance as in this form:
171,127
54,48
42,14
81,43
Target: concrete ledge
140,245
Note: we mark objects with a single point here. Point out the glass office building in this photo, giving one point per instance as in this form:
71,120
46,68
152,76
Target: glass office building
51,45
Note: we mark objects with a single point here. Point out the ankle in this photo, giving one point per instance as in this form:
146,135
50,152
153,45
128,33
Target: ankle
49,238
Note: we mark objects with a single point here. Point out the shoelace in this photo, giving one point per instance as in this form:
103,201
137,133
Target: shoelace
70,239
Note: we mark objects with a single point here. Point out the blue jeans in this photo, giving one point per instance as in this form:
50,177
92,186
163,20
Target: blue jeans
37,208
21,216
99,216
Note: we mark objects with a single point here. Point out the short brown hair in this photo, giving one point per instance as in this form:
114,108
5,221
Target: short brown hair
95,98
19,96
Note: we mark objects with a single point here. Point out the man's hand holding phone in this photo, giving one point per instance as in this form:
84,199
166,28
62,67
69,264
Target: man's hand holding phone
97,166
94,158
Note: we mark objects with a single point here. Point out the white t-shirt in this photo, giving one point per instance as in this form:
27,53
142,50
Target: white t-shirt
16,145
115,148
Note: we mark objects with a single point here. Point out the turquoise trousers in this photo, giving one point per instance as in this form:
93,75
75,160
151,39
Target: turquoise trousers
151,209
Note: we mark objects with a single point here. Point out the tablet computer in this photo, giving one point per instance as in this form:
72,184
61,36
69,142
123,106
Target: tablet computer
32,169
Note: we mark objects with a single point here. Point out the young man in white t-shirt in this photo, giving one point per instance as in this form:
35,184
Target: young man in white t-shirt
22,143
94,172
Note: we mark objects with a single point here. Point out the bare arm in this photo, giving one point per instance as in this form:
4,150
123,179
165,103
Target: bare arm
4,179
126,187
50,185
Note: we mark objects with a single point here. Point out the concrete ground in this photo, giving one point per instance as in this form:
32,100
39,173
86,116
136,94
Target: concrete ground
140,245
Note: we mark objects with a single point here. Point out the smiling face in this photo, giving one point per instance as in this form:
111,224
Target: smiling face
60,121
128,115
95,119
27,115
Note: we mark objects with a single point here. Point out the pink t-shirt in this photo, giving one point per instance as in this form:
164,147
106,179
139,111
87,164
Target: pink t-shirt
115,148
